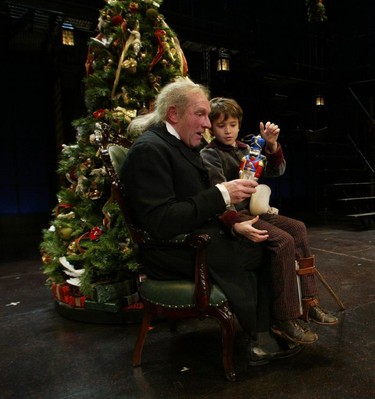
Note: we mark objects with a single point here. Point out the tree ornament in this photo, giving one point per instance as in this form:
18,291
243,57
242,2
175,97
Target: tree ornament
65,233
117,20
136,38
66,216
72,249
152,14
130,65
99,114
95,233
46,259
133,7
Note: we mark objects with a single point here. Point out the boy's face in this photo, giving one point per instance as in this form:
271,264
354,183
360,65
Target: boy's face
226,130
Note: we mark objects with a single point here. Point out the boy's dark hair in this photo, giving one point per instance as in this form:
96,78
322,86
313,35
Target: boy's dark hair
227,107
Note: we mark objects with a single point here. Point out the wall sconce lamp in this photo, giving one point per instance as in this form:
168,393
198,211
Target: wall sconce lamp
319,100
223,57
67,34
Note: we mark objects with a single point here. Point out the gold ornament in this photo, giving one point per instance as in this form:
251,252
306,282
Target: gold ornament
130,65
108,66
46,259
124,114
152,14
95,194
65,233
72,249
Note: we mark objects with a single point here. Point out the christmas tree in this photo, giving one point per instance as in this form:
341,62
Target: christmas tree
316,11
133,55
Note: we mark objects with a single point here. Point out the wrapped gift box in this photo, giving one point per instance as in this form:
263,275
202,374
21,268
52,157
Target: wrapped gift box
111,292
106,307
61,292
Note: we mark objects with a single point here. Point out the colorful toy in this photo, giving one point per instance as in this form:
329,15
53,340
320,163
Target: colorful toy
252,165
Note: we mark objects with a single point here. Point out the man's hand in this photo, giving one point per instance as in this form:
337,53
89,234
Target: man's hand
240,189
247,230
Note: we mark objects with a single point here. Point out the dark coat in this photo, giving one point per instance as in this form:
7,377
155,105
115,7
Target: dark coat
168,192
223,161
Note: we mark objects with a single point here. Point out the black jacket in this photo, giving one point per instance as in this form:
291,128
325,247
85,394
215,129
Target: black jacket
168,193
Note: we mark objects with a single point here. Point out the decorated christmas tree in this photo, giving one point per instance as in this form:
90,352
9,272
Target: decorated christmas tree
86,245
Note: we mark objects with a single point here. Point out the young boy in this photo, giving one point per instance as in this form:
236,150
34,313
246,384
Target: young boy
287,243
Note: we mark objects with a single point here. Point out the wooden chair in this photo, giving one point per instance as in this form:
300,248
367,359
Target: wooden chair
173,300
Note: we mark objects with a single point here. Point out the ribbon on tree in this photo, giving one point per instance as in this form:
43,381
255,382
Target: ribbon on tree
176,43
159,34
132,37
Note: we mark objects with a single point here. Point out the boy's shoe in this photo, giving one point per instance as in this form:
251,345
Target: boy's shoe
293,330
311,310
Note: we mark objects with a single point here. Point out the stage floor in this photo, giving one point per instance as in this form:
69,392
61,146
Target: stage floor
47,356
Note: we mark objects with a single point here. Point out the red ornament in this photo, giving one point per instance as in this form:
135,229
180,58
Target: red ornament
95,233
117,20
99,114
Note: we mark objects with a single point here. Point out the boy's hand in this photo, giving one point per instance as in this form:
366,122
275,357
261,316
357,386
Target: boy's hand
270,133
247,230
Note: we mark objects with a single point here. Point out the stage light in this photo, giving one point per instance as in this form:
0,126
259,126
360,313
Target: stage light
67,34
223,60
319,100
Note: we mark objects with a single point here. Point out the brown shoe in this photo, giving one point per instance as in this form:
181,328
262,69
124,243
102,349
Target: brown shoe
294,331
321,316
314,312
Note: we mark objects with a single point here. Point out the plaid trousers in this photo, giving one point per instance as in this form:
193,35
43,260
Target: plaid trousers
287,242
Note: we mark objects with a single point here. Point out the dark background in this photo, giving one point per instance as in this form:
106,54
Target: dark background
279,64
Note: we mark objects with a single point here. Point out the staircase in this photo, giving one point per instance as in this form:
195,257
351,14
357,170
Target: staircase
344,182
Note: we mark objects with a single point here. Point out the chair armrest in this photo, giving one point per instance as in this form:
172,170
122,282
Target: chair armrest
193,240
197,241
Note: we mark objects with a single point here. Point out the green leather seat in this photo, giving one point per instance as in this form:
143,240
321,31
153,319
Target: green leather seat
177,293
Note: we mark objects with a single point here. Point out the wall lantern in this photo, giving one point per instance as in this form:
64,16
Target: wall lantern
319,100
67,34
223,58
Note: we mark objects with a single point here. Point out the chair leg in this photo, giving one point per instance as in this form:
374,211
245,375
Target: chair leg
137,354
227,338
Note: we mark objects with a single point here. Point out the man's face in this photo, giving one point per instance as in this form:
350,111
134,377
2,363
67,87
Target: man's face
192,121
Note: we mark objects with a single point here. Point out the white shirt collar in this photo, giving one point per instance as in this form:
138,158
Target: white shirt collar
172,130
